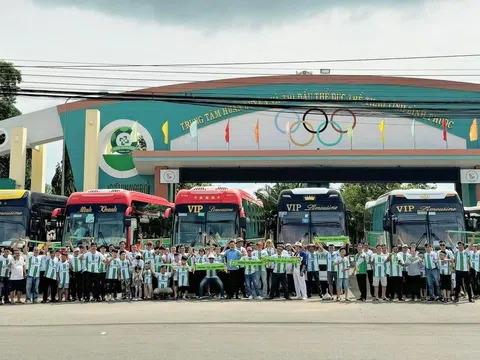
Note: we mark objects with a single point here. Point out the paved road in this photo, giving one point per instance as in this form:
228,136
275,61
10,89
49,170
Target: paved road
257,330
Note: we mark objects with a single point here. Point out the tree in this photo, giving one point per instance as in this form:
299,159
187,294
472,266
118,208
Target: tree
357,195
69,180
269,195
10,78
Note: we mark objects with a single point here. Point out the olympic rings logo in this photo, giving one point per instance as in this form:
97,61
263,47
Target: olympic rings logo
293,128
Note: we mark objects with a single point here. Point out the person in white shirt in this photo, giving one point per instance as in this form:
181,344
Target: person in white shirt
18,271
93,258
279,276
379,272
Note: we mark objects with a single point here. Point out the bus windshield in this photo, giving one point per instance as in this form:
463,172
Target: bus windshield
13,220
310,224
222,225
105,227
422,227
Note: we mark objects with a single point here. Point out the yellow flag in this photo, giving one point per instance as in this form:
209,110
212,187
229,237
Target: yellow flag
350,132
474,130
381,126
165,132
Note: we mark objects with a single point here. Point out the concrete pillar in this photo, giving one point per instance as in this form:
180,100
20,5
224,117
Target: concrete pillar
39,158
90,159
161,189
18,155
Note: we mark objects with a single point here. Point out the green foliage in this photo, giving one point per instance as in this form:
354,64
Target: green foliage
357,195
10,78
69,180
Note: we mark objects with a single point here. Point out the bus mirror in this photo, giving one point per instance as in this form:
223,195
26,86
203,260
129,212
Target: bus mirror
243,223
467,214
386,223
128,221
394,224
167,213
349,214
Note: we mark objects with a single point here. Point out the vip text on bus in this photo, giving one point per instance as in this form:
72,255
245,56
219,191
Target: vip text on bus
415,216
215,214
312,214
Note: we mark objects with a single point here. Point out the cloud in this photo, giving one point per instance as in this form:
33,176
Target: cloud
223,13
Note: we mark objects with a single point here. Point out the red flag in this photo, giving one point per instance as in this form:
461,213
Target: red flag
444,125
227,132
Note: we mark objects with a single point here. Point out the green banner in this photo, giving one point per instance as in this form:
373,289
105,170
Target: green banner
246,262
462,232
290,260
335,240
212,266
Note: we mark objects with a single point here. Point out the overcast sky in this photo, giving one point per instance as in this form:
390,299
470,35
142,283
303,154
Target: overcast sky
172,32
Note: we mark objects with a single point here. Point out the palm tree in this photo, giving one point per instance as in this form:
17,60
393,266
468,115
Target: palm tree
269,195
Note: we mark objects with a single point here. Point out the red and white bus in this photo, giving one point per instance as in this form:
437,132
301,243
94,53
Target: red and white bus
216,211
110,216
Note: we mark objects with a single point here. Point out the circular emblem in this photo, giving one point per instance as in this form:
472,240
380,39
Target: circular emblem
117,141
169,176
471,176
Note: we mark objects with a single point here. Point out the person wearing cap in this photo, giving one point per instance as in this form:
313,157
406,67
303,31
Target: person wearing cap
210,279
261,271
63,276
250,275
148,254
76,275
312,269
299,271
112,276
279,275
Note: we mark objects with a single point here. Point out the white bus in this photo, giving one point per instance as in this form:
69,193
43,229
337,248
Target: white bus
415,216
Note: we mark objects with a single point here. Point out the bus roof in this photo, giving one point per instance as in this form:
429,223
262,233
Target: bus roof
413,194
202,194
473,208
110,196
308,191
35,196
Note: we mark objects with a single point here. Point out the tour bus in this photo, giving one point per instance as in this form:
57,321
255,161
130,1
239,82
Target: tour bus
219,212
27,213
312,214
414,216
111,215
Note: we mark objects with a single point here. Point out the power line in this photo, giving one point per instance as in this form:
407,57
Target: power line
393,58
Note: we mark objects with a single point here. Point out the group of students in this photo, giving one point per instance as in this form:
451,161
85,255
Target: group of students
441,275
91,273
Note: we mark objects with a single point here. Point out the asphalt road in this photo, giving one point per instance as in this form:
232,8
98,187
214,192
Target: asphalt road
242,329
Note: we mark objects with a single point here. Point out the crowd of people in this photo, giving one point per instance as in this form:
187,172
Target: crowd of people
89,272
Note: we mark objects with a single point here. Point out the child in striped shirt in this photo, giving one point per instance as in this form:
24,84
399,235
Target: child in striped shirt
147,282
113,275
63,276
137,279
183,270
445,266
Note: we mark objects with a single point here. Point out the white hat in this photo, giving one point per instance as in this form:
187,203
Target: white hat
76,249
211,256
298,243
